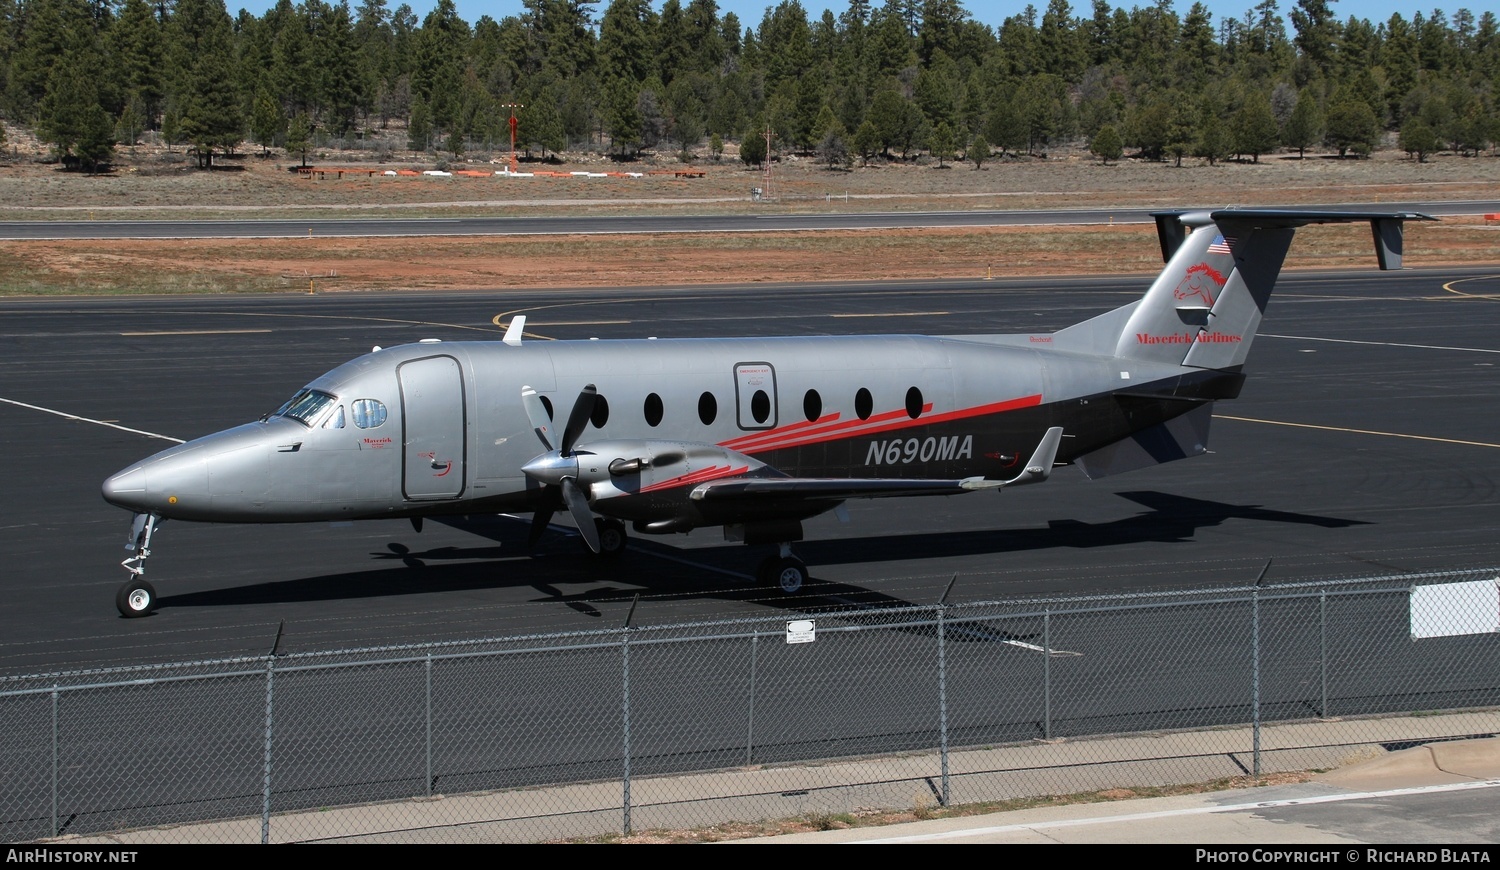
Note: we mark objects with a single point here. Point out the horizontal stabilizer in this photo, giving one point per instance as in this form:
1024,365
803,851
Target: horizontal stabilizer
1177,438
1171,226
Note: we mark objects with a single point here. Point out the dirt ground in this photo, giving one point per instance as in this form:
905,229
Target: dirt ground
153,183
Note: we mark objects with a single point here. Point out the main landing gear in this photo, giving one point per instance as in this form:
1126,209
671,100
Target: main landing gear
783,571
137,597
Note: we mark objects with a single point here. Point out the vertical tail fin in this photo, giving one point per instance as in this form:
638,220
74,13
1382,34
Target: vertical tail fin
1204,308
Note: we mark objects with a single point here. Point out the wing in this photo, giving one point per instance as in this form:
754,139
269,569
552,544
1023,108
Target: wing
836,489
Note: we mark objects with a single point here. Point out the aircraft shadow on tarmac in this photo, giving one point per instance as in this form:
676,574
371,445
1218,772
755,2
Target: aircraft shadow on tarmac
558,560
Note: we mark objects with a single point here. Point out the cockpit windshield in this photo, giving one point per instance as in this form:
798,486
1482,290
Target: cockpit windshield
307,406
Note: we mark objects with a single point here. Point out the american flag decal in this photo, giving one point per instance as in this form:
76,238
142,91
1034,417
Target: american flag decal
1219,245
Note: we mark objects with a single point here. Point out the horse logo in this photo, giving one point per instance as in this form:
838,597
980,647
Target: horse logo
1202,281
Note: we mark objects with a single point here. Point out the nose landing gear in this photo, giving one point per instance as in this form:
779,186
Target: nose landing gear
137,597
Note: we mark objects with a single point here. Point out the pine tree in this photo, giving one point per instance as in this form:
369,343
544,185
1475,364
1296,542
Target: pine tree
1213,139
1351,125
942,146
70,118
266,121
753,150
979,150
1254,127
866,141
1417,139
1107,145
211,114
1305,126
299,136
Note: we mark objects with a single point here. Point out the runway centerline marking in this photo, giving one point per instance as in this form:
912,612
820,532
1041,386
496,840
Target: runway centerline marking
200,332
1383,343
1357,431
65,415
896,314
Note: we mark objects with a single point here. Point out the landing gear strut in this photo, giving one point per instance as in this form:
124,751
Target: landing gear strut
612,537
783,571
136,596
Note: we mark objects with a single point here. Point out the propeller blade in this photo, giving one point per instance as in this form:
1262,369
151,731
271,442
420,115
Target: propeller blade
578,504
583,409
536,414
539,521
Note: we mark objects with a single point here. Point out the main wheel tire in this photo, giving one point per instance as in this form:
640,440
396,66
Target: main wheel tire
612,537
786,574
136,598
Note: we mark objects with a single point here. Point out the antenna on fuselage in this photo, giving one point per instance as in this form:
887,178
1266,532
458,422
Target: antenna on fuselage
513,331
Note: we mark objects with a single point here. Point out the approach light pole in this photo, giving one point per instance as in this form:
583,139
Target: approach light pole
514,168
766,182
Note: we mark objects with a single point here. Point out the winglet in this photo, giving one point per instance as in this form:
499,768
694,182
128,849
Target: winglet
513,331
1037,469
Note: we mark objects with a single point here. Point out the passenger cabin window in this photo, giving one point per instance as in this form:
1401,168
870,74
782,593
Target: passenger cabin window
914,403
601,412
760,406
653,410
708,408
307,407
864,404
367,413
812,406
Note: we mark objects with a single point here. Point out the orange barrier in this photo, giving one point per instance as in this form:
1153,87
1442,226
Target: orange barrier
1492,218
323,172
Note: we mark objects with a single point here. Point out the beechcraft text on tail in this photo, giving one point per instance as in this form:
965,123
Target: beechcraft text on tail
753,435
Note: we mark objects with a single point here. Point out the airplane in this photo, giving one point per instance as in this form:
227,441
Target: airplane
754,435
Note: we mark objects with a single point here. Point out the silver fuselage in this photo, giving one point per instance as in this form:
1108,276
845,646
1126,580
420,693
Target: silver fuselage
455,435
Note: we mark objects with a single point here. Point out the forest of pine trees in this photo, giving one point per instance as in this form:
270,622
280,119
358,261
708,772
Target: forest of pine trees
870,83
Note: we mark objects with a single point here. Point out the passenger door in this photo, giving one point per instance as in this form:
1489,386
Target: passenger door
432,418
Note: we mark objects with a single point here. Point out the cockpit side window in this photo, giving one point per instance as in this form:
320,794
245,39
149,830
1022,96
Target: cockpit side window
336,419
307,406
367,413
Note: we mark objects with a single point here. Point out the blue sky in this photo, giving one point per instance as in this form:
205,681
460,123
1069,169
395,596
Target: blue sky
991,12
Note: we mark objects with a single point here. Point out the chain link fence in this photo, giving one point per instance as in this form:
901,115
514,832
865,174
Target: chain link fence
580,735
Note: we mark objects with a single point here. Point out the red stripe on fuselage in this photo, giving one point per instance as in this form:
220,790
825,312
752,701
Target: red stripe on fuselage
802,434
697,477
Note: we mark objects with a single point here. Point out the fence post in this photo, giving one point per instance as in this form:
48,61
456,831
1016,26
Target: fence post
428,716
1255,680
1323,652
943,695
750,725
55,831
625,727
625,710
1047,673
265,798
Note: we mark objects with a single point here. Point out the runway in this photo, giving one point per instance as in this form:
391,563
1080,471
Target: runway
624,224
1364,443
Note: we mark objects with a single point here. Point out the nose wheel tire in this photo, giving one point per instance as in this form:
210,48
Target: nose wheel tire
136,598
787,574
612,538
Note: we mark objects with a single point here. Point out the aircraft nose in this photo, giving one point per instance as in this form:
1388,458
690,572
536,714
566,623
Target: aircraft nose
127,489
167,484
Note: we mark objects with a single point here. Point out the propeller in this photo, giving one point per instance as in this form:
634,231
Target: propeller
558,467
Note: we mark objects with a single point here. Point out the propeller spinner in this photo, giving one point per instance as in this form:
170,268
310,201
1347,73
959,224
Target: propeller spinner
558,467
